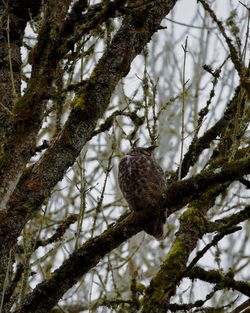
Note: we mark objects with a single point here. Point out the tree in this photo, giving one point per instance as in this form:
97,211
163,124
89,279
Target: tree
68,112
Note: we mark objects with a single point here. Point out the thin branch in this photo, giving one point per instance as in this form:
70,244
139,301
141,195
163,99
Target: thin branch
6,109
200,144
10,59
240,308
214,242
189,25
235,57
183,105
223,280
60,231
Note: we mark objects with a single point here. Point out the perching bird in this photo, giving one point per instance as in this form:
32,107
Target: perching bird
142,183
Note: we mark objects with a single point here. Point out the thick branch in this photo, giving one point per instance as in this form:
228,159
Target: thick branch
13,20
88,256
90,103
28,109
47,294
182,192
14,16
192,228
77,24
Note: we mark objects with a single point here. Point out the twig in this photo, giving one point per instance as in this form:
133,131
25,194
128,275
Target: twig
215,240
10,60
196,304
6,109
203,112
60,231
100,201
189,25
82,199
183,106
243,54
239,66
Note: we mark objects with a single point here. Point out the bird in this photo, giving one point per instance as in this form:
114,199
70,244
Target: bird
142,183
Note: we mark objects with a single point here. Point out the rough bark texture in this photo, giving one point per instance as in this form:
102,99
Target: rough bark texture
162,287
89,104
23,190
14,17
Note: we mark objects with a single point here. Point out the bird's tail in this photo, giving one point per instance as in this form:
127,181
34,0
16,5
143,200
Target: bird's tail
156,227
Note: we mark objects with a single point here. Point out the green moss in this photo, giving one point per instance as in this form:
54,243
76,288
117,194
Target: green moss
174,260
140,288
78,102
194,218
23,108
168,273
190,216
94,96
20,106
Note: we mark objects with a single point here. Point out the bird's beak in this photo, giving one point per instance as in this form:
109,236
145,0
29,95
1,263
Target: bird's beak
151,148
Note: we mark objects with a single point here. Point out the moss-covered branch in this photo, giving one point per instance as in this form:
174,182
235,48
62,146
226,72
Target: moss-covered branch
180,193
11,38
198,145
225,281
89,104
193,226
47,294
29,109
